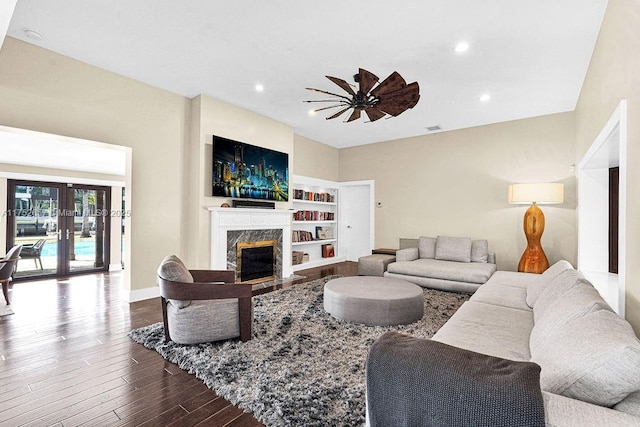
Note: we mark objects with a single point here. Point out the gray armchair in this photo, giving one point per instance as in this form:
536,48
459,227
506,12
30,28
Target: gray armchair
7,268
203,305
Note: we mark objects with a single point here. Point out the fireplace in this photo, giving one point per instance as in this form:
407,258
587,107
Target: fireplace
231,226
256,261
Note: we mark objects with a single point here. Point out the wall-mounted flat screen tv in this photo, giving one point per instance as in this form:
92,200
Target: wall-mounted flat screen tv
246,171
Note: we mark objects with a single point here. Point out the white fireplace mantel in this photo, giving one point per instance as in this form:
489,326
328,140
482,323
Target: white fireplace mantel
227,219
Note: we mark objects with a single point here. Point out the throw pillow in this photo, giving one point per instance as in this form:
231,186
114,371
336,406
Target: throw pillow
427,247
595,358
535,289
173,269
453,249
479,251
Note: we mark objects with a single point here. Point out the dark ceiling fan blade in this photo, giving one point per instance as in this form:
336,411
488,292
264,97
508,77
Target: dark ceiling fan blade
343,84
330,107
390,84
333,116
399,101
328,93
355,115
374,113
367,80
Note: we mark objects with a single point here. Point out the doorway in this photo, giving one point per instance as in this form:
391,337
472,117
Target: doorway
356,207
63,227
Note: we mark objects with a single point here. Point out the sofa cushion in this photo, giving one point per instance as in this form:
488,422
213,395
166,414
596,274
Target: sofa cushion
427,247
513,278
536,288
479,251
559,285
505,296
595,358
630,404
580,300
407,254
489,329
446,270
453,249
171,268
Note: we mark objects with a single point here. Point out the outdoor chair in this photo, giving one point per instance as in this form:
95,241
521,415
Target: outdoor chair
7,268
203,305
33,250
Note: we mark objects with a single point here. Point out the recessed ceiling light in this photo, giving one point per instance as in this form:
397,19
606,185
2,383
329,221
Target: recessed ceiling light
259,88
461,47
312,112
485,97
33,34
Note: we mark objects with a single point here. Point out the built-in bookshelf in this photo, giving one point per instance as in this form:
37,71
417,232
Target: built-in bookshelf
314,236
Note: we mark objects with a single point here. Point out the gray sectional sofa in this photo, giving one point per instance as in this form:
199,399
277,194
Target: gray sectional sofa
589,356
445,263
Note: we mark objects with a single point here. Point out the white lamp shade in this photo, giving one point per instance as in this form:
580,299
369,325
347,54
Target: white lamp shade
547,193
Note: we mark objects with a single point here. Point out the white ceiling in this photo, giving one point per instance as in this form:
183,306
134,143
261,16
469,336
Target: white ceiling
531,56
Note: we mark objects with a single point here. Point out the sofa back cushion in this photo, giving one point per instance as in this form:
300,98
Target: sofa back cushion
427,247
581,300
595,358
479,251
453,249
535,289
558,286
171,268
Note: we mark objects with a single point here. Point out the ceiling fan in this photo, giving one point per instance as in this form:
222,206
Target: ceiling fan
393,96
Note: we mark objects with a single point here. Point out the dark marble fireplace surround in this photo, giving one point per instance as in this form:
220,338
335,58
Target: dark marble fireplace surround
236,236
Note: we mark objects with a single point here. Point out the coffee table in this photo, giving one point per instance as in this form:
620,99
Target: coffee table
376,301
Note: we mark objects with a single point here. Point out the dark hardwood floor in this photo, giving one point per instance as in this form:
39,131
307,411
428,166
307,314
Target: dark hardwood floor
66,360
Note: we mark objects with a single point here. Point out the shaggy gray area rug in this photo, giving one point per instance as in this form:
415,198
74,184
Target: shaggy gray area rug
302,367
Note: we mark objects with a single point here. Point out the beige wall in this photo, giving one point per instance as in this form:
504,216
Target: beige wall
44,91
215,117
455,183
315,159
614,75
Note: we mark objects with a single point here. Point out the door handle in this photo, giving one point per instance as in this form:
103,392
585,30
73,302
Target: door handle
67,234
348,226
59,233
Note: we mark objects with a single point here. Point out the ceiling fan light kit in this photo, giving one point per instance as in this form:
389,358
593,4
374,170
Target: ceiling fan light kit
392,97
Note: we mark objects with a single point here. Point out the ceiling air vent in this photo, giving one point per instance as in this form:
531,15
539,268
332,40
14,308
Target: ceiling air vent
433,128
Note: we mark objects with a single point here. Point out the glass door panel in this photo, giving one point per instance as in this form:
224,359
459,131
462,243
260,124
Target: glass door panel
64,228
87,241
33,223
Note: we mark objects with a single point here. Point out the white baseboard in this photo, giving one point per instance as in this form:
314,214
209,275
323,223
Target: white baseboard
142,294
115,267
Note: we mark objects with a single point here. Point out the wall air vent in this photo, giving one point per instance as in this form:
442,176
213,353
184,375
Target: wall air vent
433,128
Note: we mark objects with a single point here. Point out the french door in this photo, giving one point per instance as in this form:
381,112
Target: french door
64,228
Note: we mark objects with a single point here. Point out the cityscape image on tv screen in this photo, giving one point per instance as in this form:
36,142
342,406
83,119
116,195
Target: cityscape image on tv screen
243,170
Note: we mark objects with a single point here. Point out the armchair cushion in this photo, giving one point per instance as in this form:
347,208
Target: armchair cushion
204,321
172,269
453,249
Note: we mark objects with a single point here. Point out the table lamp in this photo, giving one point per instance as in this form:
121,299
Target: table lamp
533,259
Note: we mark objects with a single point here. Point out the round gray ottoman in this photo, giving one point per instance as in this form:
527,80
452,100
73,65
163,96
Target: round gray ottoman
376,301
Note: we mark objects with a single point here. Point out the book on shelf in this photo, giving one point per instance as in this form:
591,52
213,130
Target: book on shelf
313,216
301,236
323,233
328,251
313,197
